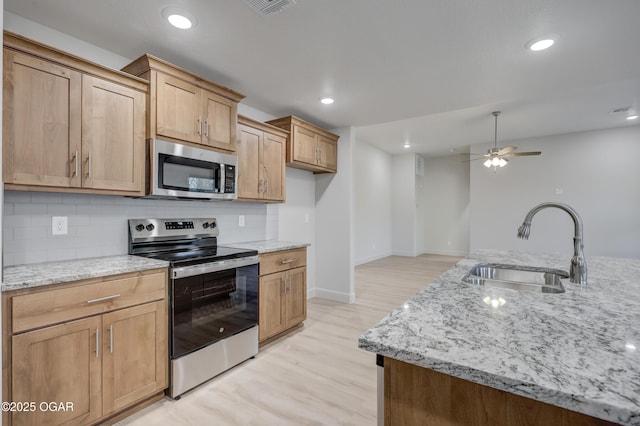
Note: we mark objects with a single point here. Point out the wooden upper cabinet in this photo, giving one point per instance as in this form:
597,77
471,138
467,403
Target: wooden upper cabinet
309,147
112,135
70,125
185,107
219,126
41,132
261,150
177,108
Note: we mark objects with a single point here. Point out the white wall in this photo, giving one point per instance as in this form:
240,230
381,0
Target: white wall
445,196
599,176
334,225
403,201
19,25
297,218
372,203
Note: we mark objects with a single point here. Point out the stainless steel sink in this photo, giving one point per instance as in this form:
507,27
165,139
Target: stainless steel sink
542,280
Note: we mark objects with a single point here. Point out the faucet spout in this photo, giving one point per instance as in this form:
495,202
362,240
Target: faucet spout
578,271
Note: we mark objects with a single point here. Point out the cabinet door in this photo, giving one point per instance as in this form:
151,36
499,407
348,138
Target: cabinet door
249,173
178,109
58,364
113,131
304,145
273,166
219,127
296,300
271,314
135,360
327,153
41,113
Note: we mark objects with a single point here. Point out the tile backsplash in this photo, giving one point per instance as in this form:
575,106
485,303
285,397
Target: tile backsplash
97,224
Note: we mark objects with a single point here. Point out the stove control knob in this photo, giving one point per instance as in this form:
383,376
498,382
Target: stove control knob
212,225
205,225
140,227
150,227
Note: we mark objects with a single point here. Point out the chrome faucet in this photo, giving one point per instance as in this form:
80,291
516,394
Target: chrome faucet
578,271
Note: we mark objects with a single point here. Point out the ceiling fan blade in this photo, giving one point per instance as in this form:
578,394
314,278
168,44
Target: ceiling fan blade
522,154
506,150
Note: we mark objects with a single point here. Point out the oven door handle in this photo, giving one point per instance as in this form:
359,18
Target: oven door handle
221,265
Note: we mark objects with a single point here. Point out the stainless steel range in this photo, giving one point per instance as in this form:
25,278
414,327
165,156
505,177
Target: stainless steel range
213,292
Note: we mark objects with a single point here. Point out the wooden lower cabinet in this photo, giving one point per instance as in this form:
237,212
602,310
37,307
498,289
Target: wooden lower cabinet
58,364
419,396
282,295
135,355
97,366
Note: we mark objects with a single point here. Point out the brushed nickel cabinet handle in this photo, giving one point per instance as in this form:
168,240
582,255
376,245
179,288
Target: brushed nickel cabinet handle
261,186
284,262
284,289
111,338
75,160
97,342
89,165
199,126
206,127
103,299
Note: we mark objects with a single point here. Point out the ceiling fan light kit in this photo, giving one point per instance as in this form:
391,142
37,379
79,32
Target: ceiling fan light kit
499,157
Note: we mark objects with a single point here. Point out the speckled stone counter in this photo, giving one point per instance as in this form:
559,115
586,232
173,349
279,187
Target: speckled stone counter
268,246
39,274
578,350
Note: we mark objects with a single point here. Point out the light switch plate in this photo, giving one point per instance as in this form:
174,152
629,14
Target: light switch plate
241,220
59,225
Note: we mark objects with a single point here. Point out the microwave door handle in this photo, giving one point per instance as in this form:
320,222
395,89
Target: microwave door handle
219,178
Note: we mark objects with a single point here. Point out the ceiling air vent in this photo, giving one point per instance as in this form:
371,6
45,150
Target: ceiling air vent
268,7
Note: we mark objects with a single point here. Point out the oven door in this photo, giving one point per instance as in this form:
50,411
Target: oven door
181,171
209,306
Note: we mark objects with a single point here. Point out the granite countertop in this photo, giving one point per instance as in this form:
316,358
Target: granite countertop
39,274
268,246
579,350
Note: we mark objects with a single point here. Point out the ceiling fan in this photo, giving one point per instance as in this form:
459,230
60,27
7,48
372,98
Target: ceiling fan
498,157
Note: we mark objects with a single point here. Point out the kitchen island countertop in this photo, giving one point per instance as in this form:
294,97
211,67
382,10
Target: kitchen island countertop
39,274
578,350
268,246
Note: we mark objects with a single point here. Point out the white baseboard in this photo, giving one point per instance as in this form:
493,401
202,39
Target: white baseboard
336,296
371,258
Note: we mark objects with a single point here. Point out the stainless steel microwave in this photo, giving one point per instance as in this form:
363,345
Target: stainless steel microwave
187,172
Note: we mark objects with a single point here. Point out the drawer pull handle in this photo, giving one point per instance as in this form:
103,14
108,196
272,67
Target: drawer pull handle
103,299
97,342
284,262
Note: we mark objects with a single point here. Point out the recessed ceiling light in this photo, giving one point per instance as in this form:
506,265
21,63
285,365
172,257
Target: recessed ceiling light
327,101
180,21
537,45
178,18
632,117
407,144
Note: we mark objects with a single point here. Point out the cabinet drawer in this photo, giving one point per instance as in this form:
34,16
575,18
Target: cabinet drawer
282,261
48,307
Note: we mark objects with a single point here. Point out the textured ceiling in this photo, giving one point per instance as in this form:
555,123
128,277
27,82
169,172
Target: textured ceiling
420,70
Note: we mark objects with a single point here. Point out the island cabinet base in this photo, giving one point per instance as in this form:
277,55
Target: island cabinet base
418,396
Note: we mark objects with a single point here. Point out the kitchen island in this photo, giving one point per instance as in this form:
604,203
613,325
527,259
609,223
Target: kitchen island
578,350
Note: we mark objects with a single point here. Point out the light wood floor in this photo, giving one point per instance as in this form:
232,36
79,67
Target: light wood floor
315,376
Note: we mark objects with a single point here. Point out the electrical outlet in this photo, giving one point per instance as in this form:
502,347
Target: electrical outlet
306,218
241,220
59,225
